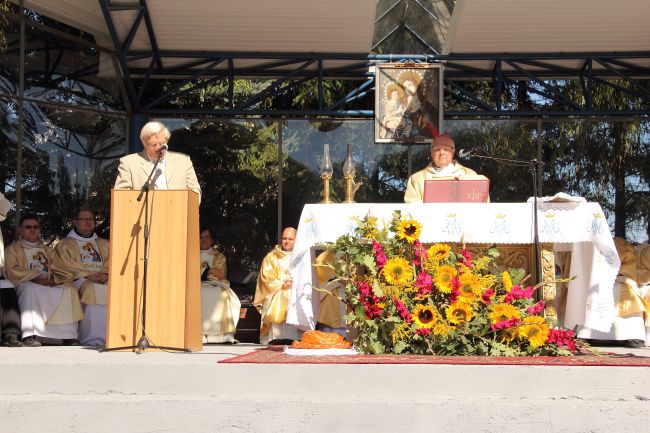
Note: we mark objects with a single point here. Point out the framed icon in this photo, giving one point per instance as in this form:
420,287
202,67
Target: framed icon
408,102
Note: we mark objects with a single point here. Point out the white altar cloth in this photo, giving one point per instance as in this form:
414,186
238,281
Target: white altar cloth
577,227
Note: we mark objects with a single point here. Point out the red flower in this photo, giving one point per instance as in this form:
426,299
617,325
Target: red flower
364,288
424,284
380,256
467,258
518,293
402,310
563,338
536,309
423,331
420,253
505,324
487,295
455,290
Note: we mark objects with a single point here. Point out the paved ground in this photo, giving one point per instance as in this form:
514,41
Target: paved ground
73,389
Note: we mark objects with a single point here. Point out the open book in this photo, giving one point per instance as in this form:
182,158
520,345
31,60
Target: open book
465,189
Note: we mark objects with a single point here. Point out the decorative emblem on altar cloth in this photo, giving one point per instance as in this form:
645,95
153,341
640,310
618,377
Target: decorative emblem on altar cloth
549,224
597,224
311,228
451,225
609,256
500,225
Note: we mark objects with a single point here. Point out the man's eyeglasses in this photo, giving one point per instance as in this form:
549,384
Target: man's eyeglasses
28,227
442,149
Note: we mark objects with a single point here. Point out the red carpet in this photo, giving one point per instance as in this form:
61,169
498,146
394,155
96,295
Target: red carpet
274,355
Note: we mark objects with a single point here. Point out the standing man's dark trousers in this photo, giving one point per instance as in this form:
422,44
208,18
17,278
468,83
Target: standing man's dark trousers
9,317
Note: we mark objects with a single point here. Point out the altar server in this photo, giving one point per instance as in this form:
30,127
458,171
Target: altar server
442,164
628,323
272,292
85,256
220,305
49,303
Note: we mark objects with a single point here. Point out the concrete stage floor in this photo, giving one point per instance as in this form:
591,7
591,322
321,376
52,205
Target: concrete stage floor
76,389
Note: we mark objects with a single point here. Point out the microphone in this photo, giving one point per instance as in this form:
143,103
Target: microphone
462,153
162,148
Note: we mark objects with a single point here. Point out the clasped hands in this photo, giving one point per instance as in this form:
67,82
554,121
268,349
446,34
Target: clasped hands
99,277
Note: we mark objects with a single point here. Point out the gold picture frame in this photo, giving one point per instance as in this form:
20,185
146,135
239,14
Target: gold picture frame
408,102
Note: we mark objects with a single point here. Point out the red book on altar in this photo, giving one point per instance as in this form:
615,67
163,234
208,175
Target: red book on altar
468,189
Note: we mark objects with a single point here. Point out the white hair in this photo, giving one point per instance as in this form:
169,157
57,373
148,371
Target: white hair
154,128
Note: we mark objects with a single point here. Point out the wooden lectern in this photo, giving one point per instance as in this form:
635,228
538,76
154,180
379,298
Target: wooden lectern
173,303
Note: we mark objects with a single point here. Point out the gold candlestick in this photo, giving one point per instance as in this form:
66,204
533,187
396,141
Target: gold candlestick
349,185
326,189
326,171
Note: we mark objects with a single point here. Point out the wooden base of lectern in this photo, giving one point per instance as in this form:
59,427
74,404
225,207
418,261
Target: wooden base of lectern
173,304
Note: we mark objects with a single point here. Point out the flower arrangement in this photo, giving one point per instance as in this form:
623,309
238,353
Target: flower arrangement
404,297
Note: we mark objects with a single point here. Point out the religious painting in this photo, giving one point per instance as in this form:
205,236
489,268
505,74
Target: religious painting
408,102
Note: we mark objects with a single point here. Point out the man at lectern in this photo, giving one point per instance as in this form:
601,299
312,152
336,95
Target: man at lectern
442,165
85,255
174,171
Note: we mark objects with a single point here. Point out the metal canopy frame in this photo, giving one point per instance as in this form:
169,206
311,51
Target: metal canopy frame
542,76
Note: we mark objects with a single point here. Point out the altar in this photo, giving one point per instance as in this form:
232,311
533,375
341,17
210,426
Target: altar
578,227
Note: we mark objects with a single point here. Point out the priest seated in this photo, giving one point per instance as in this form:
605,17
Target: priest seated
85,256
219,304
49,303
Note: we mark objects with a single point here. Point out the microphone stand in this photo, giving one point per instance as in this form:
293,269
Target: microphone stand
144,343
533,165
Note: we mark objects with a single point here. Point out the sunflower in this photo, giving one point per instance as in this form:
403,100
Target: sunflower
535,330
506,280
425,316
459,312
438,252
444,277
470,286
409,230
501,312
397,271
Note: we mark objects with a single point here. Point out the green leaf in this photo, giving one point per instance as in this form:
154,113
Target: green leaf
399,347
376,288
377,348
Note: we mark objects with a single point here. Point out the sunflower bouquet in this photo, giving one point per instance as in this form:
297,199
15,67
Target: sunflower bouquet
405,297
